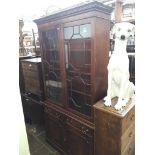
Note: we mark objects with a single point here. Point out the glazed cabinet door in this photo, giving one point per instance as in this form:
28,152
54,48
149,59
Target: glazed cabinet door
77,51
51,65
77,143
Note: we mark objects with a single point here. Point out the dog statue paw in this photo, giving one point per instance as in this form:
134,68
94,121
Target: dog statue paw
124,102
121,103
118,106
107,102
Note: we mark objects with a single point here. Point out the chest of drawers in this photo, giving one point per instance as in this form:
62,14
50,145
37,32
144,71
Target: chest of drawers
114,130
32,73
21,77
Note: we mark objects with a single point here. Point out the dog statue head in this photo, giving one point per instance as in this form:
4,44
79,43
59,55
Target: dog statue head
123,30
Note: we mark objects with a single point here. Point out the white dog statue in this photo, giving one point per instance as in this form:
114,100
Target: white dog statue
118,67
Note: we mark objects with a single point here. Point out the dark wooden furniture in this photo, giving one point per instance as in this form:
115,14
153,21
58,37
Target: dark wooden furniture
75,52
114,130
132,67
32,73
31,89
33,109
67,132
21,76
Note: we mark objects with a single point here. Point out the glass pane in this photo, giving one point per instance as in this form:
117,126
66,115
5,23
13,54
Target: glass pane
50,40
78,60
68,32
82,31
85,30
76,29
52,66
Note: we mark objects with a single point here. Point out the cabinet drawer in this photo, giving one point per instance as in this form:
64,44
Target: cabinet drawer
33,90
30,74
55,114
83,129
29,66
32,82
130,148
128,136
128,120
108,125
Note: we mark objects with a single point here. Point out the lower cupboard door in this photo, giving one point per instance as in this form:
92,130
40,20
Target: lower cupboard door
77,144
54,131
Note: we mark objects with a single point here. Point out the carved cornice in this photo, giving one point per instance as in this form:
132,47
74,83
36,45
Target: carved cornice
93,6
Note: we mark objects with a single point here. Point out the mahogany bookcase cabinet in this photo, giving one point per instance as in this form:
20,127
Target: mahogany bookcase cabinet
75,52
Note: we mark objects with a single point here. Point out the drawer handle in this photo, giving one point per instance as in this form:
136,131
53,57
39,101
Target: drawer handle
132,117
27,99
85,131
130,134
129,150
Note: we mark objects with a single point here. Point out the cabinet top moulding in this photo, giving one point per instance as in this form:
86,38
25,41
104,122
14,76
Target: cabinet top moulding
76,10
111,110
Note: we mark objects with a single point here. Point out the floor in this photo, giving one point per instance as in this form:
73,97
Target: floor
37,141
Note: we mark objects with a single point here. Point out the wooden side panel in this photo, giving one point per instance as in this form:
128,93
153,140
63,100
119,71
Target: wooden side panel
101,56
107,133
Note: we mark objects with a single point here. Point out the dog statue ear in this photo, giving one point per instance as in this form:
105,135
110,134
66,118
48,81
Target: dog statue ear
113,31
133,30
